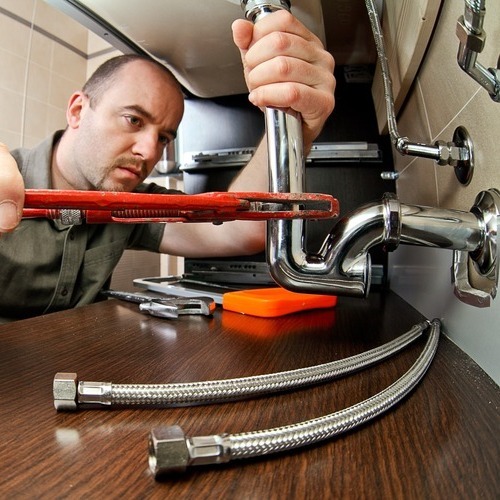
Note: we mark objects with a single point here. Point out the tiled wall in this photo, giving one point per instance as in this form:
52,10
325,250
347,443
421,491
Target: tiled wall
443,98
43,56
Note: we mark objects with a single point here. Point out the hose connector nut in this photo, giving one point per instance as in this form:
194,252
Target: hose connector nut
65,390
168,450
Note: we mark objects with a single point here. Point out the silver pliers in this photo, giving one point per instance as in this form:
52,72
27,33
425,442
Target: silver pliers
165,307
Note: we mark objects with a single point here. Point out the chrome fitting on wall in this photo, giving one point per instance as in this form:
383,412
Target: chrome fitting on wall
479,290
472,39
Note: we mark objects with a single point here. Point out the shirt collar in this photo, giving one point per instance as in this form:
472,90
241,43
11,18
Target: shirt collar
36,167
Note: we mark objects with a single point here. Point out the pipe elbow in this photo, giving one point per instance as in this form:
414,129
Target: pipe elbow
343,264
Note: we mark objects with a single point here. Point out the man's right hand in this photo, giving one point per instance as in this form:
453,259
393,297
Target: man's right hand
11,191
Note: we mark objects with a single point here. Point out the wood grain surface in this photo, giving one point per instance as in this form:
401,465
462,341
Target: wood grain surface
440,442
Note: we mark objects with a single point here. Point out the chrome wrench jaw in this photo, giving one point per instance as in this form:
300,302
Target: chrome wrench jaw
166,307
180,306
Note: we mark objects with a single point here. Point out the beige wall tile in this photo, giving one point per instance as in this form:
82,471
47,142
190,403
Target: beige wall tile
30,141
37,113
481,117
13,74
41,50
56,119
413,124
23,8
445,86
60,91
61,25
68,64
39,72
417,184
450,102
38,82
11,104
11,139
14,37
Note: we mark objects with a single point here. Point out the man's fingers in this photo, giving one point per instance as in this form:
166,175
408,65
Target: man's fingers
11,192
242,33
287,67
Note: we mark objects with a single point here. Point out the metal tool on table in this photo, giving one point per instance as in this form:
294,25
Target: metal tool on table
165,307
180,287
190,279
95,207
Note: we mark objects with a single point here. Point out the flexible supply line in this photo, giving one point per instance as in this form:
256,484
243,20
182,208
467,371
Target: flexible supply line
171,452
402,144
457,153
69,393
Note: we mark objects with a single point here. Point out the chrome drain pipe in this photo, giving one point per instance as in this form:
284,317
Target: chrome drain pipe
170,451
342,266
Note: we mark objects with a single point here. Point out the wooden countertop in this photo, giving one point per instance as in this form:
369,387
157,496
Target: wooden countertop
440,442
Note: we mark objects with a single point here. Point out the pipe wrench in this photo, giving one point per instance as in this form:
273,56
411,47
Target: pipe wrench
99,207
165,307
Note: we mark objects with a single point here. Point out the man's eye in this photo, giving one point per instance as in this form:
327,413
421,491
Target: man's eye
164,139
133,120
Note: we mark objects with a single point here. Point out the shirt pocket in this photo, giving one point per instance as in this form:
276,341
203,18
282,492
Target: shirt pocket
97,267
104,256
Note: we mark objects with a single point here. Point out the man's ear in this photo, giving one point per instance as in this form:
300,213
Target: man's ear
76,104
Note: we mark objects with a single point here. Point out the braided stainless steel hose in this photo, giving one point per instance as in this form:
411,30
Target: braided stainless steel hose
170,451
458,153
69,393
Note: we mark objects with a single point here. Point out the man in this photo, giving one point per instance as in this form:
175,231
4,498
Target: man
118,125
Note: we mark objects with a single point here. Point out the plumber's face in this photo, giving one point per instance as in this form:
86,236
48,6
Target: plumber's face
122,136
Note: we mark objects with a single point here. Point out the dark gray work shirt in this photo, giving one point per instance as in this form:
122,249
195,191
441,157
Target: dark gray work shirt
46,266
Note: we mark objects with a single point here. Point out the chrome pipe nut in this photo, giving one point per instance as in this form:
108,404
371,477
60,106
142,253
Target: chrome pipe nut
471,41
65,390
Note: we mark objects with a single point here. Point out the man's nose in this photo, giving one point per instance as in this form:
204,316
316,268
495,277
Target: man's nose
147,146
